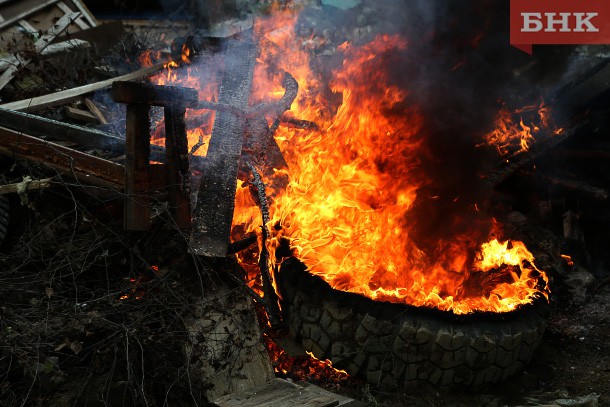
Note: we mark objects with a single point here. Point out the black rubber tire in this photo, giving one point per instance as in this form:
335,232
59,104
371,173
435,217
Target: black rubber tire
399,346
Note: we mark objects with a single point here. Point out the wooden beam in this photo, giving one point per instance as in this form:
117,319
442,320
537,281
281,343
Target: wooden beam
39,46
216,196
56,29
137,176
95,111
179,177
83,136
65,96
81,115
86,12
154,95
42,127
79,21
59,47
86,168
27,186
9,21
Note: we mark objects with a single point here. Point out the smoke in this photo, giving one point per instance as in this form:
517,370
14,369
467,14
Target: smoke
459,69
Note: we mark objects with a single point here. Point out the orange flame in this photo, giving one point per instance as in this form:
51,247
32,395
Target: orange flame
348,210
512,138
568,260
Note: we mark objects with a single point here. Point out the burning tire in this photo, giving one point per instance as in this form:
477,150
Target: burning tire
394,345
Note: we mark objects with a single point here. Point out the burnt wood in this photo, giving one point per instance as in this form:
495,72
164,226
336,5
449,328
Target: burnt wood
139,97
84,137
216,196
137,175
84,167
154,95
176,144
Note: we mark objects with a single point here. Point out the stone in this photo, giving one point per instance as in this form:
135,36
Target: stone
435,376
373,376
402,350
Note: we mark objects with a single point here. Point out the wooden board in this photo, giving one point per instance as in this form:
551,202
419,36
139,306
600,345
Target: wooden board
283,393
62,97
84,167
216,196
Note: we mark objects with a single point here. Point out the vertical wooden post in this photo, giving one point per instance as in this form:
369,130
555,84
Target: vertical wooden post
137,176
176,145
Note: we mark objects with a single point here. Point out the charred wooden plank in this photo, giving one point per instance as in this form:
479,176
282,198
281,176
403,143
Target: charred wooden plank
216,195
95,111
83,136
139,97
542,146
81,115
41,127
176,143
137,176
68,95
154,95
84,167
583,89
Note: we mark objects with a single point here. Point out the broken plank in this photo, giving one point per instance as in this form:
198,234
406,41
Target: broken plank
86,168
27,26
85,11
176,144
80,115
216,196
30,9
83,136
56,29
57,48
39,46
25,185
65,96
283,393
154,95
79,21
137,175
42,127
95,111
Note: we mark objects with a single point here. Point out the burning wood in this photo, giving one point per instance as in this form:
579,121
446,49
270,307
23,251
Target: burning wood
139,98
215,201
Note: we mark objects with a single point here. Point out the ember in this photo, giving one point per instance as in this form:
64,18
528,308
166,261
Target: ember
510,137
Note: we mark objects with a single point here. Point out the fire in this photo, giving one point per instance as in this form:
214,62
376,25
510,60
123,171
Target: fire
510,137
568,260
349,208
306,367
